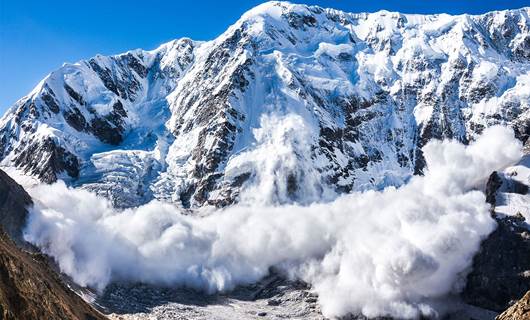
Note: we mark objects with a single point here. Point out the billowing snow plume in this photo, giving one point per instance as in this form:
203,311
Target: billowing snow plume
391,252
281,160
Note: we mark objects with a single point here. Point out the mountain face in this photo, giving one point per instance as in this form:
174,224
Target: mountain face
300,101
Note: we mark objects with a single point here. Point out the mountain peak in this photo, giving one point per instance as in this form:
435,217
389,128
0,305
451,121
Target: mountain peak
274,9
339,101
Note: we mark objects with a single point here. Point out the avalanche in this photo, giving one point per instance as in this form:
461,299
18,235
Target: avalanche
346,150
396,252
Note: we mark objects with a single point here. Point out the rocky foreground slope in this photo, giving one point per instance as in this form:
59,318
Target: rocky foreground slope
343,101
29,287
519,311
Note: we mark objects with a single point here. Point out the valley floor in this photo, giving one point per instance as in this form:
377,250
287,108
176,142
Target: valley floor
272,298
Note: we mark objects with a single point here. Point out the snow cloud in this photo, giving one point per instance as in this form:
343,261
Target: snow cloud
391,252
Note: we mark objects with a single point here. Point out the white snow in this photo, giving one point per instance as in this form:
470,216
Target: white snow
390,253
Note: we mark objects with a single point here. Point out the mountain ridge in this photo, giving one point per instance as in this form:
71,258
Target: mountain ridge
343,101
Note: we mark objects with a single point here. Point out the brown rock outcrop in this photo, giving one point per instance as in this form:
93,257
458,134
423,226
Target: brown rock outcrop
29,288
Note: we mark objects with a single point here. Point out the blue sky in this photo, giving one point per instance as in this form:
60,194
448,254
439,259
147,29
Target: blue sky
38,36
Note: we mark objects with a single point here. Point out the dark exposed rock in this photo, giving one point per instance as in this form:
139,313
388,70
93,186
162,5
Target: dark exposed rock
481,91
522,50
13,203
136,65
118,110
30,289
185,196
514,186
299,21
27,109
217,115
72,93
239,180
521,129
75,119
292,184
439,127
5,146
45,159
493,184
501,270
105,131
502,183
126,89
105,75
204,186
110,128
49,99
33,111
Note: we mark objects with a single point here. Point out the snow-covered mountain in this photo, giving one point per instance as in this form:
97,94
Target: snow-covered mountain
292,103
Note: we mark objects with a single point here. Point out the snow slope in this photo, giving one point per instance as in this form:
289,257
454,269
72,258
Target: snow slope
292,103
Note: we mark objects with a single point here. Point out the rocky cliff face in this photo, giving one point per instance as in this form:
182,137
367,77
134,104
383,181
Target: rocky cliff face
519,311
338,102
29,287
500,274
13,203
